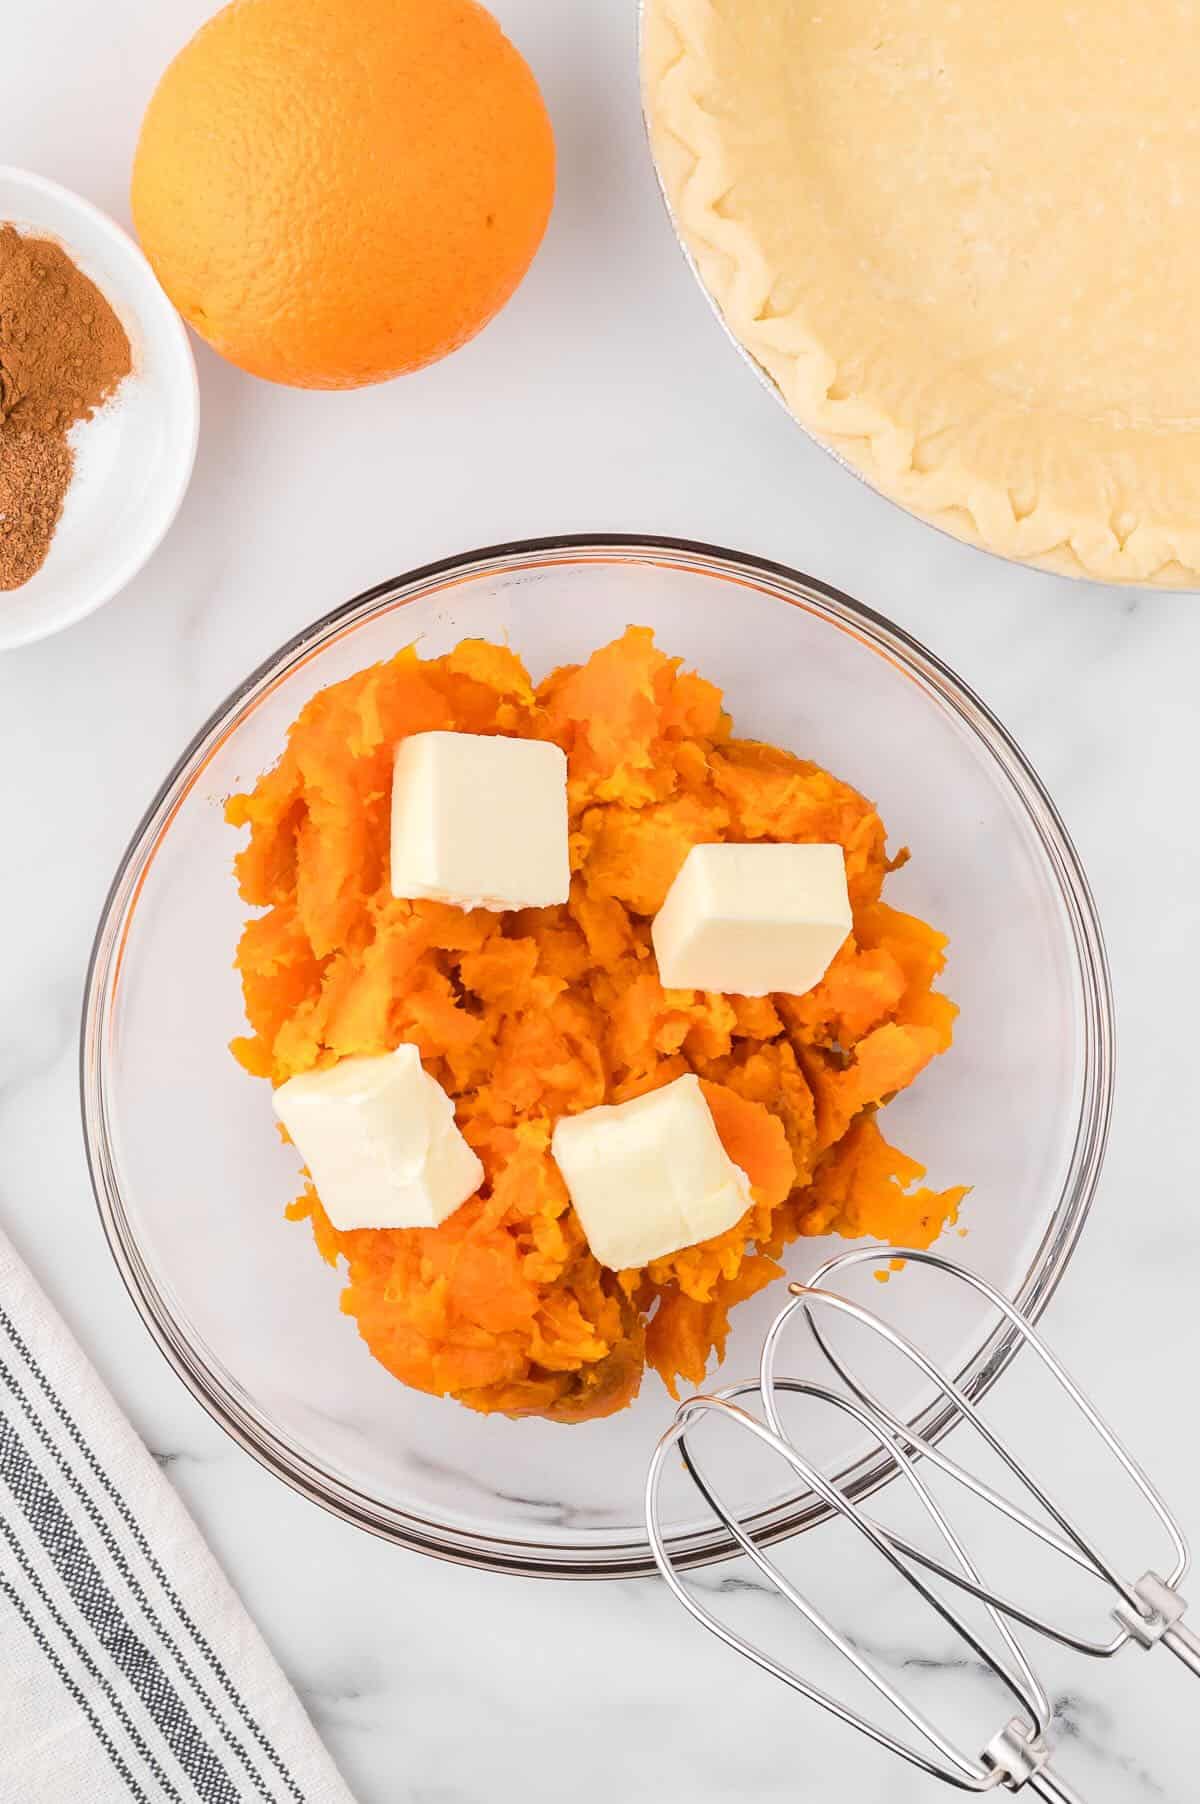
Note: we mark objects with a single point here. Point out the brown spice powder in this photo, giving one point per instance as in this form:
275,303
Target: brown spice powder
63,353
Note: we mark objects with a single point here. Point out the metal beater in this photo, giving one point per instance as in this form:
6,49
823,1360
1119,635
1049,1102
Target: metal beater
1147,1610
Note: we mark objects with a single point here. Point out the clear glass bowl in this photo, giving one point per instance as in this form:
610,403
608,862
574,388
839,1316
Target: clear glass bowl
192,1180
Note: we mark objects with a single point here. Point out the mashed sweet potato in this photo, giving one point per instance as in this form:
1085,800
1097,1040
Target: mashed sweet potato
527,1016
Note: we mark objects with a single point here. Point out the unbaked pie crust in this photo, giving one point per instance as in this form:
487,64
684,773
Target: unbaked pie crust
963,239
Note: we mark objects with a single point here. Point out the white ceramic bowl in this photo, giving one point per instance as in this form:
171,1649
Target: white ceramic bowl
134,459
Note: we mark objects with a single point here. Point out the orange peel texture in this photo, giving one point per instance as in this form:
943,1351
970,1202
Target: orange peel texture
530,1015
333,195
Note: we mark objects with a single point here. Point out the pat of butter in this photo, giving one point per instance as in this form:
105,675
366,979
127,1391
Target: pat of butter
650,1176
480,821
380,1142
753,920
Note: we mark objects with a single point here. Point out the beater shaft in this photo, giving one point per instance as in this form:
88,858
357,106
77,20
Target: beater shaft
1049,1786
1185,1646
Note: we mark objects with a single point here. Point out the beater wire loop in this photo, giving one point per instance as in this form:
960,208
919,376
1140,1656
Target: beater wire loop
1017,1677
1147,1610
1133,1608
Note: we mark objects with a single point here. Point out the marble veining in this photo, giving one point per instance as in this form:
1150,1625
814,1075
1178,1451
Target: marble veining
605,397
551,1512
1088,1727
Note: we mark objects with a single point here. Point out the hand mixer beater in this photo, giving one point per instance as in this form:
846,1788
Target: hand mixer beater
1147,1610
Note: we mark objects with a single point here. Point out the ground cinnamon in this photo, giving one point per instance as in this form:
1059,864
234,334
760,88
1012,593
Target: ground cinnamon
63,353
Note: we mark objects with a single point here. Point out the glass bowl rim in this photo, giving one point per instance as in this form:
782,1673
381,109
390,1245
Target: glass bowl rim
625,1559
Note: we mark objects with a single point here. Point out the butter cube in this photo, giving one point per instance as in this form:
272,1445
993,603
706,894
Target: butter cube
753,920
380,1141
650,1176
480,821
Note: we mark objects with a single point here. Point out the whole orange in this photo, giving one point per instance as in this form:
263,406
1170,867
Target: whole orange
335,191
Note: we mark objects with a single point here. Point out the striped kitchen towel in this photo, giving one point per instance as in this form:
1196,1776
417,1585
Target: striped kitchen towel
129,1671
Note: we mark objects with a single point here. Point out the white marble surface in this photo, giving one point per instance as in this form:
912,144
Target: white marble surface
606,398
